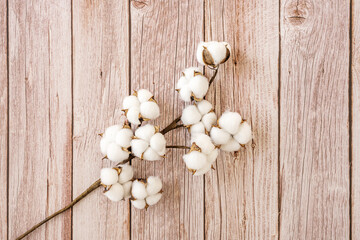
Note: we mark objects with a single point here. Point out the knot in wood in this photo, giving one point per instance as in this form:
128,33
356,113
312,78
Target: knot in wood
296,12
140,4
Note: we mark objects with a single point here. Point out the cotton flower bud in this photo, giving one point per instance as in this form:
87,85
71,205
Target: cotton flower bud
231,146
190,115
154,185
230,122
127,189
108,176
203,142
116,153
244,135
199,86
213,53
126,173
138,190
130,102
195,160
123,137
219,136
139,204
192,84
115,193
153,199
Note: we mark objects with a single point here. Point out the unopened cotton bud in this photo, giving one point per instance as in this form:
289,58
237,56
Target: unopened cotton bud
204,142
197,128
145,132
154,199
204,107
211,157
144,95
138,147
126,173
243,136
138,190
108,176
185,93
191,71
213,53
123,137
195,160
203,170
104,144
158,143
230,122
183,81
199,86
139,204
112,131
151,155
209,120
190,115
116,154
231,146
219,136
115,193
131,101
154,185
132,115
127,189
150,110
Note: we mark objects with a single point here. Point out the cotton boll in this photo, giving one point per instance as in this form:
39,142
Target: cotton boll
154,199
185,93
108,176
151,155
183,81
218,51
116,154
190,115
139,204
144,95
191,71
244,135
231,146
203,170
115,193
211,157
158,142
199,53
154,185
131,101
104,144
138,190
123,137
195,160
126,174
145,132
209,120
219,136
138,147
230,122
204,143
204,107
197,128
150,110
228,53
111,132
199,86
132,115
127,189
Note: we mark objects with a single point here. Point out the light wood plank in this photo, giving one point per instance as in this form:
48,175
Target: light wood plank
40,116
164,37
242,194
101,70
3,120
314,142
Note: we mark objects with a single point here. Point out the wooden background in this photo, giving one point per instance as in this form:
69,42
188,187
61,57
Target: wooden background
65,67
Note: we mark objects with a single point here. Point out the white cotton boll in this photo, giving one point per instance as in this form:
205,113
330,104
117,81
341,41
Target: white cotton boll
116,154
231,146
126,173
139,204
190,72
127,189
151,155
158,142
199,52
218,51
138,147
154,199
149,110
195,160
190,115
219,136
104,144
199,86
138,190
131,101
123,137
197,128
204,107
185,93
244,135
115,193
211,157
203,170
145,132
209,120
204,143
183,81
144,95
108,176
112,131
154,185
132,115
230,122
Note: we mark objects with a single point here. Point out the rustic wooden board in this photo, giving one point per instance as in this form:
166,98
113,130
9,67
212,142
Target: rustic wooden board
39,116
164,35
100,81
3,120
314,129
241,195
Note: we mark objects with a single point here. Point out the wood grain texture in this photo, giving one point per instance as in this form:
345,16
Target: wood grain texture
3,120
40,116
164,36
314,142
100,82
241,195
355,119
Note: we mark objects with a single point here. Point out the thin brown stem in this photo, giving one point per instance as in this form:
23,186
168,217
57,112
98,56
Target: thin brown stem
180,147
171,126
213,76
94,186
